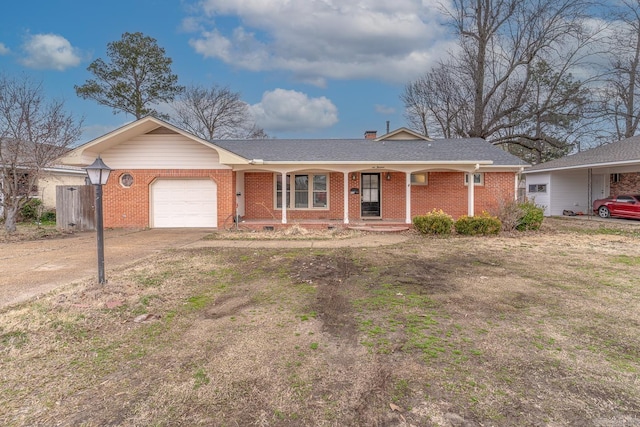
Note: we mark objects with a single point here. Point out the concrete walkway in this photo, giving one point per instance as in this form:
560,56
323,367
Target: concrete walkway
32,268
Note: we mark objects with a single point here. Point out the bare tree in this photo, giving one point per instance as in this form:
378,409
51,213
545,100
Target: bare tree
485,88
34,132
436,101
215,113
621,97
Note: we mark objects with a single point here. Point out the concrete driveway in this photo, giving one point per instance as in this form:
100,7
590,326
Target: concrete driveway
28,269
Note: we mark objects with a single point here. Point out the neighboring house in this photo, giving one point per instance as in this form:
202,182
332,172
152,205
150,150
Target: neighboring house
58,175
46,185
166,177
24,156
573,182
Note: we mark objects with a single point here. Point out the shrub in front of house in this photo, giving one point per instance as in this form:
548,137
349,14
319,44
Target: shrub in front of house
532,216
509,214
48,216
483,225
31,210
434,222
520,216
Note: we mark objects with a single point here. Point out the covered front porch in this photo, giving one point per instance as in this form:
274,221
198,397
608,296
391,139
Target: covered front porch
350,196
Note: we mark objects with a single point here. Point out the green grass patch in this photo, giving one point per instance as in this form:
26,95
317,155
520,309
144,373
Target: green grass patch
604,231
401,390
627,260
307,316
198,302
200,378
394,318
15,339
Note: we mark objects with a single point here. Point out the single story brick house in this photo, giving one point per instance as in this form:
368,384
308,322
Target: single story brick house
572,183
164,176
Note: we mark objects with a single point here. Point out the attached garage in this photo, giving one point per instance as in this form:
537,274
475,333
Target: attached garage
185,203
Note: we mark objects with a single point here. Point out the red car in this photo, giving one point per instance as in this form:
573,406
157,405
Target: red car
626,206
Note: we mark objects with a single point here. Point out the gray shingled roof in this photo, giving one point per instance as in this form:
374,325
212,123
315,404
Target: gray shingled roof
359,150
626,150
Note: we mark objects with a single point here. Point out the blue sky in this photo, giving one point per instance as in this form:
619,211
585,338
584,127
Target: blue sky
307,68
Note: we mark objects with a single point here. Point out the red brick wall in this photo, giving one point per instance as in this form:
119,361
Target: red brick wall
259,191
393,196
629,184
129,207
446,191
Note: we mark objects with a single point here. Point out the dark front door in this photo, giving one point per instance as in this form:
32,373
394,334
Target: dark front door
370,193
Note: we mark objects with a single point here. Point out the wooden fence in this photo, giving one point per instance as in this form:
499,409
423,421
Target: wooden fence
75,207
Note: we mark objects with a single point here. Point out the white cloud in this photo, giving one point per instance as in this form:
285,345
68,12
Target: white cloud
320,39
49,51
4,50
191,24
383,109
283,110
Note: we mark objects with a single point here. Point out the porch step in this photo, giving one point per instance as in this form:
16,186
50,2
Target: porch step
379,228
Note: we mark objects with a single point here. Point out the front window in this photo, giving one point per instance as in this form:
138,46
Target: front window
319,191
537,188
310,191
478,179
420,178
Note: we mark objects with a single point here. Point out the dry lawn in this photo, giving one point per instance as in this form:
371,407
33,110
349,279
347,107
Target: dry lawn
32,231
535,329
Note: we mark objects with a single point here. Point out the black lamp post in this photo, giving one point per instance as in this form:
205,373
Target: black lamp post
98,174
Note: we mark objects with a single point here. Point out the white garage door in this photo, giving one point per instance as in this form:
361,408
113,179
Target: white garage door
184,203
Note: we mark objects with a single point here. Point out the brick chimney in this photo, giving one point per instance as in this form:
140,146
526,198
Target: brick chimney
370,134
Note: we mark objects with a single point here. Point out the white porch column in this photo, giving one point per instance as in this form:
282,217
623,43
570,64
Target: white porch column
408,197
284,196
345,177
470,194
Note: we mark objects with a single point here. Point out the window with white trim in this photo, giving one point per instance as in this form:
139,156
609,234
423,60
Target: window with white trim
478,178
310,191
537,188
421,178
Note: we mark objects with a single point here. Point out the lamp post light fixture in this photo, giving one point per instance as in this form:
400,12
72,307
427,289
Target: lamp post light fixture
98,174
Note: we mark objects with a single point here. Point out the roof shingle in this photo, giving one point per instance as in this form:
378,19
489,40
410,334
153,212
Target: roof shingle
359,150
626,150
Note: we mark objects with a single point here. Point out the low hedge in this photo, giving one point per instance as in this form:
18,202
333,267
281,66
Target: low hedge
532,217
483,225
434,222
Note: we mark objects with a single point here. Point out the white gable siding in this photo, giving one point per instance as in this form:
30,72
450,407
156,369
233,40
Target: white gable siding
162,152
401,136
540,199
569,192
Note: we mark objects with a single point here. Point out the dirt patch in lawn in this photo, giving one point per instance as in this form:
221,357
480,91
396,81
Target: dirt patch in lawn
527,329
